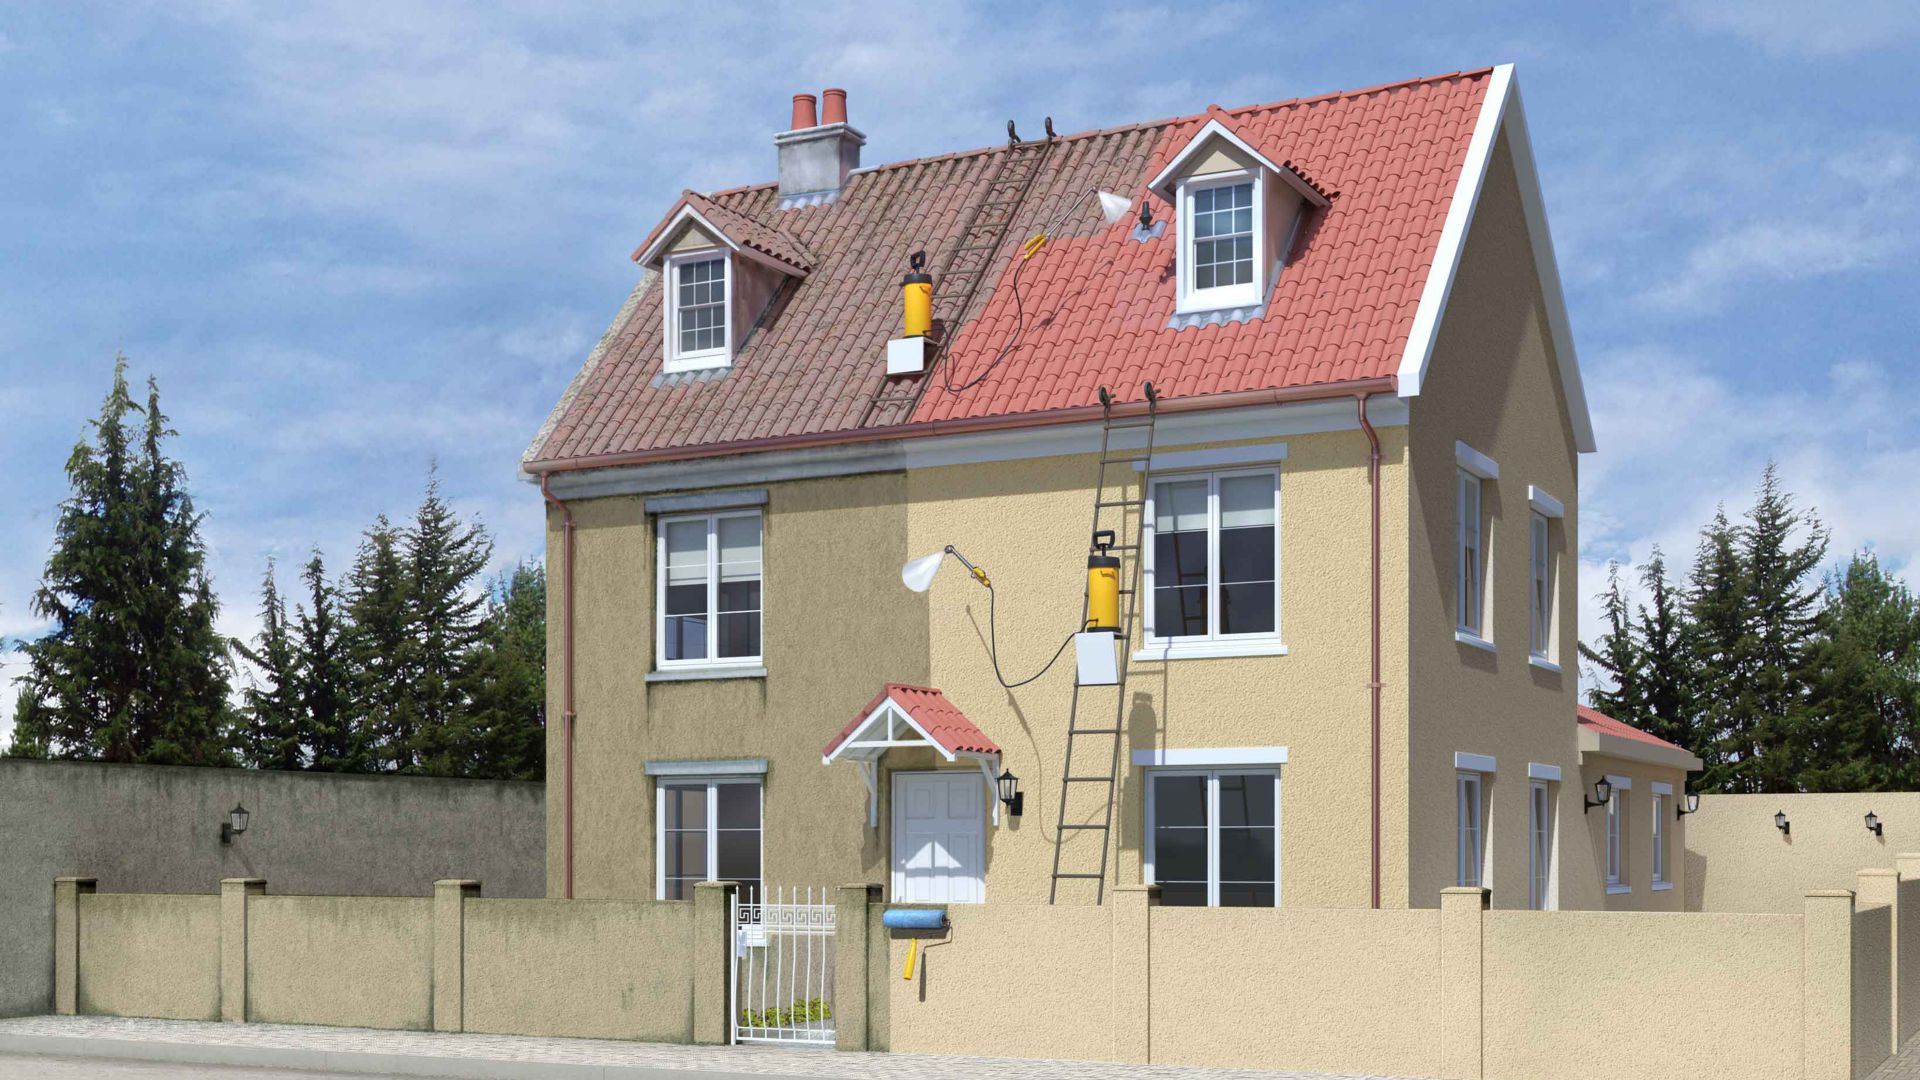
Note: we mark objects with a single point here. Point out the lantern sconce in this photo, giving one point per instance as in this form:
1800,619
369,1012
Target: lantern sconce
1602,794
1874,824
1010,793
1692,806
1780,822
235,824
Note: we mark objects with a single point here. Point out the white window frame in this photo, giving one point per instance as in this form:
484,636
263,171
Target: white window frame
1190,299
700,359
1657,804
1470,828
1213,642
1541,598
712,520
1616,842
1213,825
1540,845
713,784
1470,573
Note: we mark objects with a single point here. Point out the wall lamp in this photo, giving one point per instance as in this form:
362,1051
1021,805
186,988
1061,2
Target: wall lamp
1602,794
1780,822
1011,794
1874,824
235,824
1692,806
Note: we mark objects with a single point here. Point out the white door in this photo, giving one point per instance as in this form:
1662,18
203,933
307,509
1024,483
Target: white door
939,837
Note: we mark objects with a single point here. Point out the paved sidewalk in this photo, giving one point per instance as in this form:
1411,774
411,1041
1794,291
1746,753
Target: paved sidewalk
416,1053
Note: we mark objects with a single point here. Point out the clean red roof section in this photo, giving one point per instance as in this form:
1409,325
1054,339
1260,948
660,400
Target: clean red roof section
1607,725
937,716
1097,303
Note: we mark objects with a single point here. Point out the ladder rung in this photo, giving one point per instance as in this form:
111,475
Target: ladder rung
1088,877
1095,731
1118,502
1119,460
1089,779
1084,827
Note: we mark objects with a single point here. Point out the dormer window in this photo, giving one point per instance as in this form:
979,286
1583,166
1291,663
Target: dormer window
699,295
1221,220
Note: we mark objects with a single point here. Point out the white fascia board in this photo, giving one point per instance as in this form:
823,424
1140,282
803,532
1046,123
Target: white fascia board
887,707
1538,771
1466,762
1475,462
1544,504
1500,112
1226,755
688,215
1255,454
1670,757
734,767
1163,182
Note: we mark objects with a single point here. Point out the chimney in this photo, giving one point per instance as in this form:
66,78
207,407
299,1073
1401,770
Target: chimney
815,157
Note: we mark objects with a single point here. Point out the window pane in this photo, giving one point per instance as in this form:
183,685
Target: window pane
739,805
686,637
1246,500
738,856
686,806
1180,854
1234,894
1246,800
739,634
701,305
739,544
1180,558
686,552
1247,608
686,854
1246,855
1183,893
741,595
1180,506
1180,612
687,599
1180,800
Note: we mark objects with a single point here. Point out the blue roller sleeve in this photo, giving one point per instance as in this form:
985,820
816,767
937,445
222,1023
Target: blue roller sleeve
914,918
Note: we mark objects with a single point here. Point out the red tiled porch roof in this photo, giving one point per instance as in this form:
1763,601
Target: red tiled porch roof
929,708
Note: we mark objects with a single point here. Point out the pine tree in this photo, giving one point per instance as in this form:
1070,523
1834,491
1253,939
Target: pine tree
1615,663
380,651
275,720
505,731
445,610
1858,725
1784,593
335,741
133,669
1666,677
1718,650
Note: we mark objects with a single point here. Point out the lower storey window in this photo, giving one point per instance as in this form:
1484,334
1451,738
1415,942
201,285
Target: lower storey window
1470,851
709,830
1213,837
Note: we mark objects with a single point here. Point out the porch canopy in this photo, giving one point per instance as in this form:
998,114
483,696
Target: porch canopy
902,717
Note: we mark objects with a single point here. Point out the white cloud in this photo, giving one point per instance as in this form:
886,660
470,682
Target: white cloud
1801,29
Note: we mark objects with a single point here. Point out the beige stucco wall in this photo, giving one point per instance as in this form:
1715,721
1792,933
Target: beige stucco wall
585,968
1344,991
1637,837
150,955
359,961
1737,861
1599,995
1872,987
1494,384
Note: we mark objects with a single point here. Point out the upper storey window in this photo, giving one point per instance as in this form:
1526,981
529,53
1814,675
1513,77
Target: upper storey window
1220,220
699,291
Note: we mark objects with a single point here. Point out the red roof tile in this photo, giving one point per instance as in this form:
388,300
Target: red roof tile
1097,303
1607,725
932,711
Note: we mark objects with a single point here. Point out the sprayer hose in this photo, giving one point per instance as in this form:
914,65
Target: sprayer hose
993,648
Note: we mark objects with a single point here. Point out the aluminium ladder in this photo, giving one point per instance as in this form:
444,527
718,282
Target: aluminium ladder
1123,506
966,267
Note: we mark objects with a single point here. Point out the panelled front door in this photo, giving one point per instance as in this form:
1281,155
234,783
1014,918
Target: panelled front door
939,837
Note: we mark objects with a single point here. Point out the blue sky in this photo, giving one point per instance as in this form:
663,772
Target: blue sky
352,239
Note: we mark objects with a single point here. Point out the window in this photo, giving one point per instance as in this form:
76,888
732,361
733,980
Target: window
1540,844
698,295
709,582
709,830
1616,819
1657,807
1470,855
1542,593
1213,837
1471,568
1221,219
1214,564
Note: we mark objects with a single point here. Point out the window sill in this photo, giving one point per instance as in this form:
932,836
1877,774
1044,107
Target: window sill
1662,886
1619,890
1202,650
695,363
1468,637
1544,664
716,671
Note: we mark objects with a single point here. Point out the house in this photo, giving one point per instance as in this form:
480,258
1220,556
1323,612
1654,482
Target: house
1349,679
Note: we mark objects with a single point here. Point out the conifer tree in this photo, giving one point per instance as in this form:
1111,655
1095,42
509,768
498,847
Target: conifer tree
1718,653
1615,662
1857,728
380,650
1666,682
1784,593
335,741
275,721
446,607
133,669
504,730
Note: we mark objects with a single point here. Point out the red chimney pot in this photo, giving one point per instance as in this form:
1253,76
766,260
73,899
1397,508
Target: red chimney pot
836,106
803,115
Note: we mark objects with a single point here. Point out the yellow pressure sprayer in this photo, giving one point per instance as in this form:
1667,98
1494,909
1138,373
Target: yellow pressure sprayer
916,294
1103,586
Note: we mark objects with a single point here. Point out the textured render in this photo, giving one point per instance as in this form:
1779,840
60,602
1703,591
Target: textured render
1025,523
587,968
1494,384
156,829
837,626
355,961
1023,981
1827,1007
1872,986
1907,958
1606,995
1302,989
155,956
1737,860
1636,842
449,951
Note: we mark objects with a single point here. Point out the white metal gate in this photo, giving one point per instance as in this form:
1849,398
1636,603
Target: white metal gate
782,988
